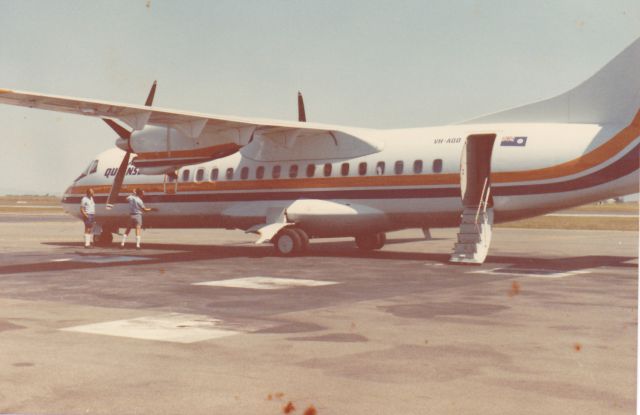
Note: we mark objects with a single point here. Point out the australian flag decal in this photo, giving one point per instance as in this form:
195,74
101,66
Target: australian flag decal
514,141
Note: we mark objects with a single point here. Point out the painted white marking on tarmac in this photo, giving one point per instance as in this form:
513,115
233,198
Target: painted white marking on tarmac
97,259
266,283
173,327
594,215
530,272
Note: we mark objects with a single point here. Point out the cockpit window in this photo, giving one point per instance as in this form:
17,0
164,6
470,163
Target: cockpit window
91,168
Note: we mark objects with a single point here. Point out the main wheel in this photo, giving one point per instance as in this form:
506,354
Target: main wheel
371,241
381,239
287,242
304,239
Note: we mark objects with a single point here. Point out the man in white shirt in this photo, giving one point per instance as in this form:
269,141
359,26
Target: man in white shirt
88,210
136,208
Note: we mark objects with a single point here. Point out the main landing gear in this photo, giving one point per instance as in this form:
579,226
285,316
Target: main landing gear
291,241
371,241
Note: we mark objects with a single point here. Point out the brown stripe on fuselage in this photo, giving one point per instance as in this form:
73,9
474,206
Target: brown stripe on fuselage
599,155
278,184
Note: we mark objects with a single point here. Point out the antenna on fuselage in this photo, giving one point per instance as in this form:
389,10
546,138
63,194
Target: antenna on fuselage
302,117
125,135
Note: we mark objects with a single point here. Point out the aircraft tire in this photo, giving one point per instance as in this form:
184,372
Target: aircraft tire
367,242
304,239
287,242
381,238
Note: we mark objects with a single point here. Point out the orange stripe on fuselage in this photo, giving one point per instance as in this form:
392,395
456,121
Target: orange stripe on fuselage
607,150
599,155
200,152
291,184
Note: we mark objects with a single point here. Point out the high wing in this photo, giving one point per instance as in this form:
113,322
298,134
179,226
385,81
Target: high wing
197,132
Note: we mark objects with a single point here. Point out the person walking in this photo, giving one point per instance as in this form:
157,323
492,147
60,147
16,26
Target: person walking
136,208
88,211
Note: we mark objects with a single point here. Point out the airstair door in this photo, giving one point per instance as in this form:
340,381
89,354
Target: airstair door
475,167
476,220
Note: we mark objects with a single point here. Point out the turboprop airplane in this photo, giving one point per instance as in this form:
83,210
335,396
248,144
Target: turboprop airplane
292,181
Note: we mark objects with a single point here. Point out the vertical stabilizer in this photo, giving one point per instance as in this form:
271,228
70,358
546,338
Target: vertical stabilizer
612,95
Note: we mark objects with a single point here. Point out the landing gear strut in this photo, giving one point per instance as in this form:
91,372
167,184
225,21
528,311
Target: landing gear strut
371,241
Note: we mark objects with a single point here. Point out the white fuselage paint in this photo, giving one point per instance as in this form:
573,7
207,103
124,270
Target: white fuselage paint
334,210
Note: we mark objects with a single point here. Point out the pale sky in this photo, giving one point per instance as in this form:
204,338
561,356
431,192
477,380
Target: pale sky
379,64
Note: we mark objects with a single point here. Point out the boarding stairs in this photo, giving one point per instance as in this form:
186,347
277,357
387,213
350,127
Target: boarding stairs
474,237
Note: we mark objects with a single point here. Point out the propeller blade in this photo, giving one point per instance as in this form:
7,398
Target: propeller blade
120,130
124,134
302,117
152,93
117,181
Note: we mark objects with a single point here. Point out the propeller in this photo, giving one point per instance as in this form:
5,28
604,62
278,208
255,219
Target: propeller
302,117
125,135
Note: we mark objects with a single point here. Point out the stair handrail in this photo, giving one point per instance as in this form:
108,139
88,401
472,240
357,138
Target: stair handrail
486,199
482,199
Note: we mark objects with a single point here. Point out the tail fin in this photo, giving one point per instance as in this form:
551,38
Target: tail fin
612,95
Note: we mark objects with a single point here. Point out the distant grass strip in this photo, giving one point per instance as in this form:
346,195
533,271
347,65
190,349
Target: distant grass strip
577,223
24,210
629,207
29,200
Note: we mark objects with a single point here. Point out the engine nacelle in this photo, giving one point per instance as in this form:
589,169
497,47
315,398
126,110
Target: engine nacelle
160,149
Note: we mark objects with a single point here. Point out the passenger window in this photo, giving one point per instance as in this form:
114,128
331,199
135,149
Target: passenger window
244,173
344,169
260,172
199,175
380,168
437,165
398,168
293,171
417,166
275,173
229,174
185,175
362,169
327,169
214,174
311,170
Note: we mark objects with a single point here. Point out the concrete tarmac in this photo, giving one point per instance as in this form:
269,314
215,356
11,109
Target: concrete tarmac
205,322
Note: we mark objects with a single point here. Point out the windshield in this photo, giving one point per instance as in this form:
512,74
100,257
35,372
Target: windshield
91,168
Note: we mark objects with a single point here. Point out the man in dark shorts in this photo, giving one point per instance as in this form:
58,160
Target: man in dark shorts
136,208
88,211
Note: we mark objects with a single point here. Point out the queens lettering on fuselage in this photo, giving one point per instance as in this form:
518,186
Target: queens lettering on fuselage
112,171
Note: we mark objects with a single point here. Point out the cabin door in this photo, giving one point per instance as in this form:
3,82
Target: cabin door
475,168
170,183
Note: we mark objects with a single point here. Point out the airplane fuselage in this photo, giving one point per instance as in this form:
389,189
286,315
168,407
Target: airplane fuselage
413,181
